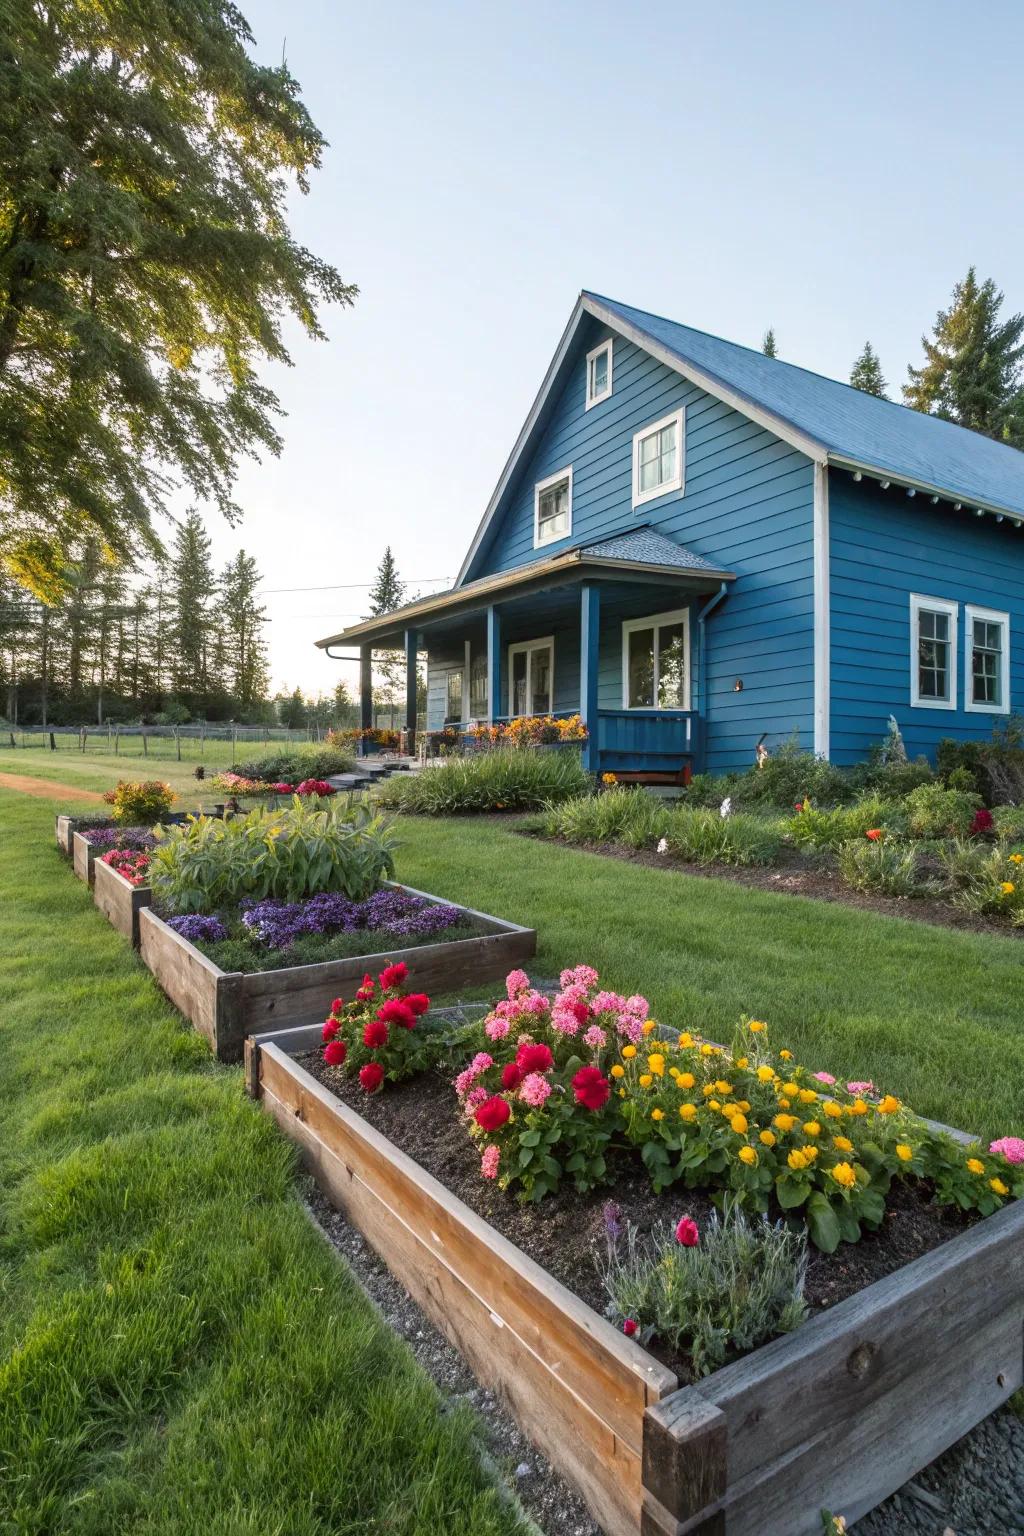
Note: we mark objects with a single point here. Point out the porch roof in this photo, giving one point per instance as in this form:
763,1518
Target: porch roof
642,552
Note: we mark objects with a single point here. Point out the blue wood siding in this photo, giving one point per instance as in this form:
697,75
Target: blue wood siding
747,505
884,546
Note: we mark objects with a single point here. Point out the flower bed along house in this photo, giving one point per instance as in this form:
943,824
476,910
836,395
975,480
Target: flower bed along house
226,1006
838,1413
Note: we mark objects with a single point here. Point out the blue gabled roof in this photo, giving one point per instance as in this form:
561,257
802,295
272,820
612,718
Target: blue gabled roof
645,546
845,422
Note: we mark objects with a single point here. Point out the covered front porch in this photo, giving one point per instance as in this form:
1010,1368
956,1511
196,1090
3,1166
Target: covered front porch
620,642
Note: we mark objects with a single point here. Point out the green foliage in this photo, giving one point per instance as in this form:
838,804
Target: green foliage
933,811
139,804
307,760
811,828
636,819
882,867
984,879
502,780
240,952
866,373
1008,821
146,269
768,344
790,775
621,815
891,778
309,847
742,1284
707,837
996,766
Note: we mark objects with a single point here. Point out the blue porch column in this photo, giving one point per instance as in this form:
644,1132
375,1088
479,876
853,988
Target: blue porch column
590,629
411,637
494,667
365,692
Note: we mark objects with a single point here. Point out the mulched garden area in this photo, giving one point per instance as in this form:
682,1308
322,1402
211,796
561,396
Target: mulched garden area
565,1232
795,875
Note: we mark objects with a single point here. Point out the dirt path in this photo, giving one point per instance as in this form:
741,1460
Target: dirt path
47,789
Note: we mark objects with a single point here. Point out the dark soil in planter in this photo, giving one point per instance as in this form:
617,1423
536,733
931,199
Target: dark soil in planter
566,1234
797,874
240,953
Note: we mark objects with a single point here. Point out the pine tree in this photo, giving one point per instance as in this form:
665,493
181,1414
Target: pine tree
385,595
768,343
866,373
192,588
242,621
972,372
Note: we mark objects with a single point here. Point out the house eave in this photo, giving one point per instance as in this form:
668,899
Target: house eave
905,482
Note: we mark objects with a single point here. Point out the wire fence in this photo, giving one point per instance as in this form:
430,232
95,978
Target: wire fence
220,744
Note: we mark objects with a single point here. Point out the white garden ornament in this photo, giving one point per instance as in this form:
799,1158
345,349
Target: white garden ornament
725,809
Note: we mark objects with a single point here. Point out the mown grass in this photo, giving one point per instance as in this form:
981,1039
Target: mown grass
100,770
933,1014
179,1351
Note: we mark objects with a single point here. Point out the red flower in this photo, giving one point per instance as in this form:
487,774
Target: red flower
875,834
492,1113
687,1232
371,1076
337,1005
335,1052
331,1028
393,976
982,822
534,1058
591,1087
630,1326
395,1010
511,1076
580,1012
375,1035
419,1002
798,805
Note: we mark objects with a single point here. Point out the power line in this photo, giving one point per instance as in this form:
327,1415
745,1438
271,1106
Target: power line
347,586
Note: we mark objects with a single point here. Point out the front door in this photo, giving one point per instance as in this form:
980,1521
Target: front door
531,671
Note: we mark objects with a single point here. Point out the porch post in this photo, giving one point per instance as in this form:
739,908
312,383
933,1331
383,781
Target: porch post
365,692
410,687
590,628
494,667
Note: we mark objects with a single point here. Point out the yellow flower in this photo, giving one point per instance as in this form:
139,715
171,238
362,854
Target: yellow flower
844,1175
629,1051
618,1071
786,1055
1007,887
858,1107
707,1050
688,1111
998,1187
708,1090
756,1026
747,1155
785,1122
797,1160
742,1062
714,1104
1017,858
685,1080
722,1087
685,1041
812,1128
903,1152
791,1088
767,1138
743,1105
656,1061
783,1103
645,1079
739,1124
889,1105
842,1143
975,1165
622,1093
832,1109
810,1153
657,1114
608,778
765,1074
650,1027
808,1096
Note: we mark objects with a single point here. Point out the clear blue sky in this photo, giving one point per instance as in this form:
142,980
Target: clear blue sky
827,169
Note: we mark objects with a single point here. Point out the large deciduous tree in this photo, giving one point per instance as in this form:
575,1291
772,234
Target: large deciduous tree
146,266
972,372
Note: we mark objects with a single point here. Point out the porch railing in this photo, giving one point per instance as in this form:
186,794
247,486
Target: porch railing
646,740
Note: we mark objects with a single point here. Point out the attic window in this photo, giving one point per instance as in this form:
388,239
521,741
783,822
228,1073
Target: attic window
552,508
599,373
658,458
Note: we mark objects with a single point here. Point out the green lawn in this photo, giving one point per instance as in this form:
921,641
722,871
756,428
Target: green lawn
100,770
934,1015
179,1351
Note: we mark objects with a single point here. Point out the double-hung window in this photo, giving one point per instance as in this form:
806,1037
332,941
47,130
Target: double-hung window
599,373
932,652
531,672
656,661
552,508
986,660
658,452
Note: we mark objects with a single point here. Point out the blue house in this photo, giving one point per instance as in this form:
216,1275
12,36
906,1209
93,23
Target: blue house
696,547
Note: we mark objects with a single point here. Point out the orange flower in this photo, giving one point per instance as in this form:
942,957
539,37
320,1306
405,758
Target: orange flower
875,834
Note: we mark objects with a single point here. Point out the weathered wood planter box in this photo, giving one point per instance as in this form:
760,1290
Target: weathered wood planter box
837,1415
66,825
226,1006
119,900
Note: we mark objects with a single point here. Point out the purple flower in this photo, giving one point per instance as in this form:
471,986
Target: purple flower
277,924
138,839
197,929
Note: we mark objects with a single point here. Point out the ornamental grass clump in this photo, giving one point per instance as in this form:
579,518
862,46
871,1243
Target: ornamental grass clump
722,836
711,1293
813,828
985,880
873,863
308,760
379,1035
619,815
290,853
506,779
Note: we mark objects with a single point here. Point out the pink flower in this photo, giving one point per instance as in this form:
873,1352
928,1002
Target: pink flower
516,982
824,1077
475,1096
595,1037
490,1160
481,1061
608,1002
687,1232
465,1080
496,1029
632,1028
582,975
534,1090
566,1023
1011,1147
637,1006
534,1056
630,1327
535,1002
858,1088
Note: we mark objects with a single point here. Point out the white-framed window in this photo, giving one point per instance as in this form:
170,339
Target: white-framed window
656,661
658,453
599,373
986,660
932,652
552,508
531,676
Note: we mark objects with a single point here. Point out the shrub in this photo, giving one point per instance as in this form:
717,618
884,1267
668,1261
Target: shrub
790,776
139,804
984,880
502,780
738,1285
881,866
709,789
812,828
933,811
308,847
308,760
619,815
892,779
996,766
708,837
379,1035
1008,821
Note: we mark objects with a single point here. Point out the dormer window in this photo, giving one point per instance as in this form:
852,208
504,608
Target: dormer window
599,373
552,508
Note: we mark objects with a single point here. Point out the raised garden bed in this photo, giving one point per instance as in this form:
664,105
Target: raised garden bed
119,900
226,1006
838,1414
